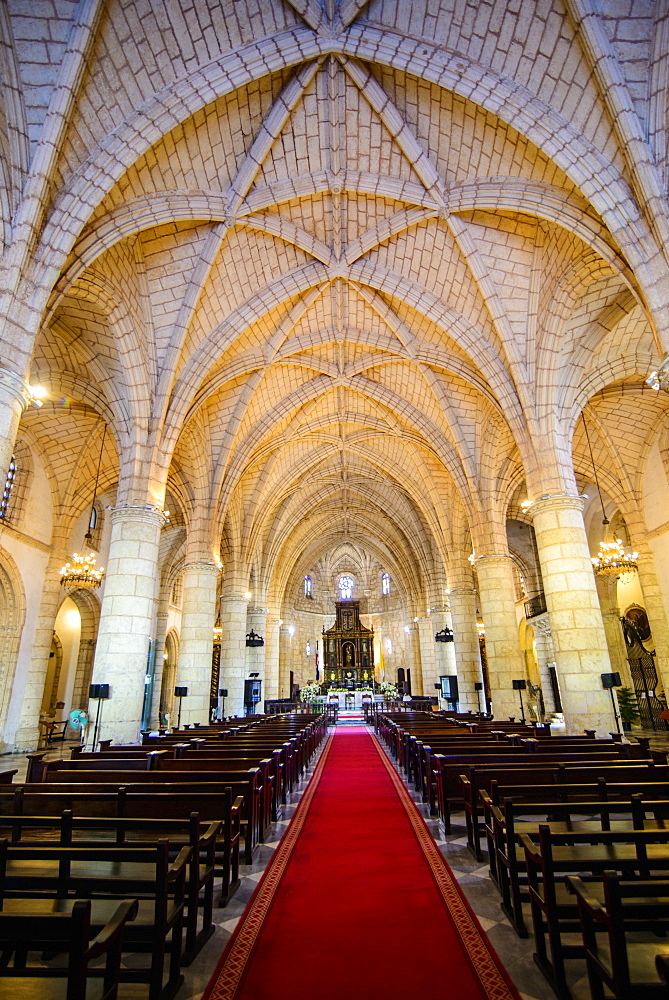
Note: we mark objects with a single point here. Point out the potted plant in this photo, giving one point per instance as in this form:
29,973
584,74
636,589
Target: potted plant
628,707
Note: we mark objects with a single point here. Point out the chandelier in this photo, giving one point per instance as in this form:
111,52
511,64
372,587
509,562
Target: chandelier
613,560
81,573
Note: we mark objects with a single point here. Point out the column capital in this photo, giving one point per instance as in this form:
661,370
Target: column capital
257,611
15,386
202,567
560,501
492,558
541,624
463,592
143,513
440,609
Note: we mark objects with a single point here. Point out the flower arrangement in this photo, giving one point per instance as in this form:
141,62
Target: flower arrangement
389,691
310,691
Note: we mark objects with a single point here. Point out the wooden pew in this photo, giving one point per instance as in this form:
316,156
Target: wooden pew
242,783
105,875
628,967
474,779
66,831
634,854
68,935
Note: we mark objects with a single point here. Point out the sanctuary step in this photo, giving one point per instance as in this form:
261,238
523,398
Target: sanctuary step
352,717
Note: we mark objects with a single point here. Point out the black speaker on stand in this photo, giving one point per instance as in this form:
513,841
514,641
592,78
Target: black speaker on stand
222,694
609,682
478,686
99,692
520,685
180,693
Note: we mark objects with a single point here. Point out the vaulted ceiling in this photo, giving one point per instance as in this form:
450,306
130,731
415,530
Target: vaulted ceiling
345,269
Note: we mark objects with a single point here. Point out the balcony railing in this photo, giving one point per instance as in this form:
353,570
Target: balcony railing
535,606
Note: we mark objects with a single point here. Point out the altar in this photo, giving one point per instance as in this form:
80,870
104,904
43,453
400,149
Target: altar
351,699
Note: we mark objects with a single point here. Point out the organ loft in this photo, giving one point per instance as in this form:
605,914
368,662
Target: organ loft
349,649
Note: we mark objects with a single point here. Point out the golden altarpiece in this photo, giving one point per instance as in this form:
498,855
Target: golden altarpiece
348,649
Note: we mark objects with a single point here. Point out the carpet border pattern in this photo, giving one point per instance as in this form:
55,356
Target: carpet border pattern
484,963
228,975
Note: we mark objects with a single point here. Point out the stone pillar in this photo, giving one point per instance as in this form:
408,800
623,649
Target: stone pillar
196,639
28,691
127,618
411,658
427,656
466,648
233,651
579,639
256,621
444,652
498,607
272,649
15,397
161,632
657,618
607,592
543,640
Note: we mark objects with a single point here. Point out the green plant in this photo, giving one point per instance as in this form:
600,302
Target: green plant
310,691
628,706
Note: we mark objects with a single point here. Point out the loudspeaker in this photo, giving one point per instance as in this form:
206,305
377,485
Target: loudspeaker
438,687
100,691
611,680
222,692
478,686
180,692
519,685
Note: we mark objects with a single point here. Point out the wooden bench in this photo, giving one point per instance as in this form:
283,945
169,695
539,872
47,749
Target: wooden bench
69,935
244,783
628,967
67,831
633,854
105,875
123,802
475,779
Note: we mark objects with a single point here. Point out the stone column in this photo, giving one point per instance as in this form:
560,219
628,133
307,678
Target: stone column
256,621
161,632
498,608
543,641
15,397
427,656
233,651
272,649
579,639
196,639
607,592
466,648
411,658
127,618
444,652
657,618
27,691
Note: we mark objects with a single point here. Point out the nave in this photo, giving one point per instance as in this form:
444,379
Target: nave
334,853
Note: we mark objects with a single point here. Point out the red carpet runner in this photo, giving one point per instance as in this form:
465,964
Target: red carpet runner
357,901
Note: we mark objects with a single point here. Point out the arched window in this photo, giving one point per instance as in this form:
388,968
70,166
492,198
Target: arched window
346,587
308,590
385,584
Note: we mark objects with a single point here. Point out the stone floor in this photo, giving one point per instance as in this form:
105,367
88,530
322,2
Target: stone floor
515,953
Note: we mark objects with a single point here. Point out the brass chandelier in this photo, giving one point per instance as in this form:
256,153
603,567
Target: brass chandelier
612,560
